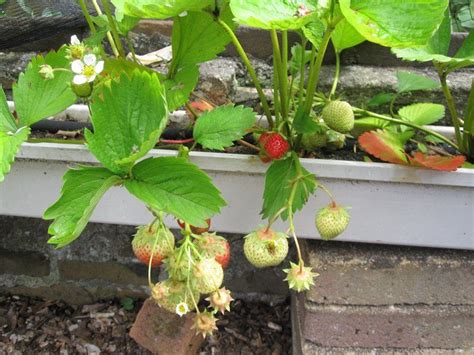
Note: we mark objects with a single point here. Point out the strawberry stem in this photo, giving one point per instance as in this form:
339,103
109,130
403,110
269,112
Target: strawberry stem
328,192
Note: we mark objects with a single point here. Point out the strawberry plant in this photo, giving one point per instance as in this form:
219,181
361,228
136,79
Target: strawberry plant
129,106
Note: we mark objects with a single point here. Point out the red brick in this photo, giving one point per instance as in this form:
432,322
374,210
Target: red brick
165,333
444,327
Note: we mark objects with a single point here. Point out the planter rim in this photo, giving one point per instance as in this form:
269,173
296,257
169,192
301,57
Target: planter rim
250,164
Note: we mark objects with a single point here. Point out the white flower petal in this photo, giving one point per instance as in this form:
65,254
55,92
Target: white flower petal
90,59
91,78
75,41
77,66
183,14
99,67
79,79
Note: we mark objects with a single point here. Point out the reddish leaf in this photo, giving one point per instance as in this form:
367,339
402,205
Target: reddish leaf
383,145
438,162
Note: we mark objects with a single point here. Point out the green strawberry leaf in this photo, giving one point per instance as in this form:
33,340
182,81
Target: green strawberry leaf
9,145
162,9
314,32
297,53
275,14
219,128
304,123
128,119
345,36
407,82
7,121
37,98
82,190
395,23
278,184
197,38
175,186
181,86
422,113
381,99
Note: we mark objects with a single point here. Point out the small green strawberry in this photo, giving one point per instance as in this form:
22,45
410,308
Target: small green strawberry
332,221
300,277
312,141
335,140
144,241
170,293
177,265
339,116
209,275
264,247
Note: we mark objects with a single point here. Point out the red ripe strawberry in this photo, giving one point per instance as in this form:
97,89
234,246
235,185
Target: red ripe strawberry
144,240
196,230
274,145
212,245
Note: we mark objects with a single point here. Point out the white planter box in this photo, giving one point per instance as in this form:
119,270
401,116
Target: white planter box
390,204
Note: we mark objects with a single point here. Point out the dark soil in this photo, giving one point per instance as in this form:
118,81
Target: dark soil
35,326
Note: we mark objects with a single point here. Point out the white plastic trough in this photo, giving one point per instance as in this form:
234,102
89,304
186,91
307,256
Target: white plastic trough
390,204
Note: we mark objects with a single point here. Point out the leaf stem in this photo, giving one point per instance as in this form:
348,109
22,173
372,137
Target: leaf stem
451,106
314,76
109,35
337,74
87,16
251,70
113,27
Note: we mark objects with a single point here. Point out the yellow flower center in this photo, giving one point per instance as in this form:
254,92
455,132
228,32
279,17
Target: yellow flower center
89,70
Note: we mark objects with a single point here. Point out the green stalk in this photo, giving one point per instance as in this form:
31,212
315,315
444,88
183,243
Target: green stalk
451,106
250,69
279,69
468,133
88,17
406,123
284,68
302,68
109,35
276,92
337,74
113,28
314,76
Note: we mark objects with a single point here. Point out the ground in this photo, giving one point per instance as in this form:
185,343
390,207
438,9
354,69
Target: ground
37,326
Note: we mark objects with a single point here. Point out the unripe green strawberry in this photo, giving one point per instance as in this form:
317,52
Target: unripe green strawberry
169,293
144,241
265,248
339,116
83,90
332,221
335,140
312,141
209,275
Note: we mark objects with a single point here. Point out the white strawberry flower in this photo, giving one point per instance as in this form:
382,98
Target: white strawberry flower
75,41
87,69
181,309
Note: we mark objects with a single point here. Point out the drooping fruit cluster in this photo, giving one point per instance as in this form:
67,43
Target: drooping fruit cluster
331,221
338,115
265,247
273,146
155,242
194,266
